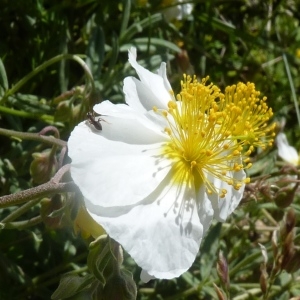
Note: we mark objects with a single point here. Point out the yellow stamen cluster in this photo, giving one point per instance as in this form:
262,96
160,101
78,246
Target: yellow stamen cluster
212,134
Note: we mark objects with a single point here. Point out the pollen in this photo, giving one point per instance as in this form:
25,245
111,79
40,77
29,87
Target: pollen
212,134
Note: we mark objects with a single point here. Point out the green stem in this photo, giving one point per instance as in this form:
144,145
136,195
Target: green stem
274,274
248,260
20,211
20,225
294,96
24,114
46,64
61,268
269,217
33,136
185,294
50,277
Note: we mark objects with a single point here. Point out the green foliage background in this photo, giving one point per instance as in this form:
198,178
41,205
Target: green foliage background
231,41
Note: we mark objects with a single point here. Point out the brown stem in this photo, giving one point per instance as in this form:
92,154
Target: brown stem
51,187
34,137
42,190
50,128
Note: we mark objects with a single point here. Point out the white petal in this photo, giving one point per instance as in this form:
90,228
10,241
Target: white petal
186,10
132,97
141,97
178,12
162,71
171,13
113,173
285,151
145,277
158,119
153,82
205,210
162,233
223,207
122,123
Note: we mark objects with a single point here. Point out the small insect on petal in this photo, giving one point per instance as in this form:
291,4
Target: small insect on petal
93,121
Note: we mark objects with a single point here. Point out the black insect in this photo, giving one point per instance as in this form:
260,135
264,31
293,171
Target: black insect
96,123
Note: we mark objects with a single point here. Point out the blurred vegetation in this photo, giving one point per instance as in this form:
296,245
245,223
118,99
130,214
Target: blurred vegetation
44,82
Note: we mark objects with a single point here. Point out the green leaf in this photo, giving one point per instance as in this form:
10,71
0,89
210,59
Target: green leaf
71,285
114,54
126,16
209,250
138,27
98,257
95,51
3,79
143,43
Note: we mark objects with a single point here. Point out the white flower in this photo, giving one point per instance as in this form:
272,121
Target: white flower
164,166
178,12
285,151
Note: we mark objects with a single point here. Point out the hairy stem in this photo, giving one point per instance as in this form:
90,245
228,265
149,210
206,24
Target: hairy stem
49,188
33,136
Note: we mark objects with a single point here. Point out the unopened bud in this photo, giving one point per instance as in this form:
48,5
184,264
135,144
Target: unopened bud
95,97
219,293
183,62
284,197
275,243
120,286
287,225
48,209
43,166
222,269
263,278
76,114
63,111
288,260
289,240
294,263
290,220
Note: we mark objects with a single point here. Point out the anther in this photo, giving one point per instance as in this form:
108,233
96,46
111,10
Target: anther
193,164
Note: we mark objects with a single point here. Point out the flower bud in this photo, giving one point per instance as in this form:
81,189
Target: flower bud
284,197
222,269
49,206
219,293
120,286
288,225
263,280
275,243
288,260
293,264
63,111
290,220
183,62
43,166
76,114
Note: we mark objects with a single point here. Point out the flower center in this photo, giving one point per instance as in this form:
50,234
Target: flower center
212,134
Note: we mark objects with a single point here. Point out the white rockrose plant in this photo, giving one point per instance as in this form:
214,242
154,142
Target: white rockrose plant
164,165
